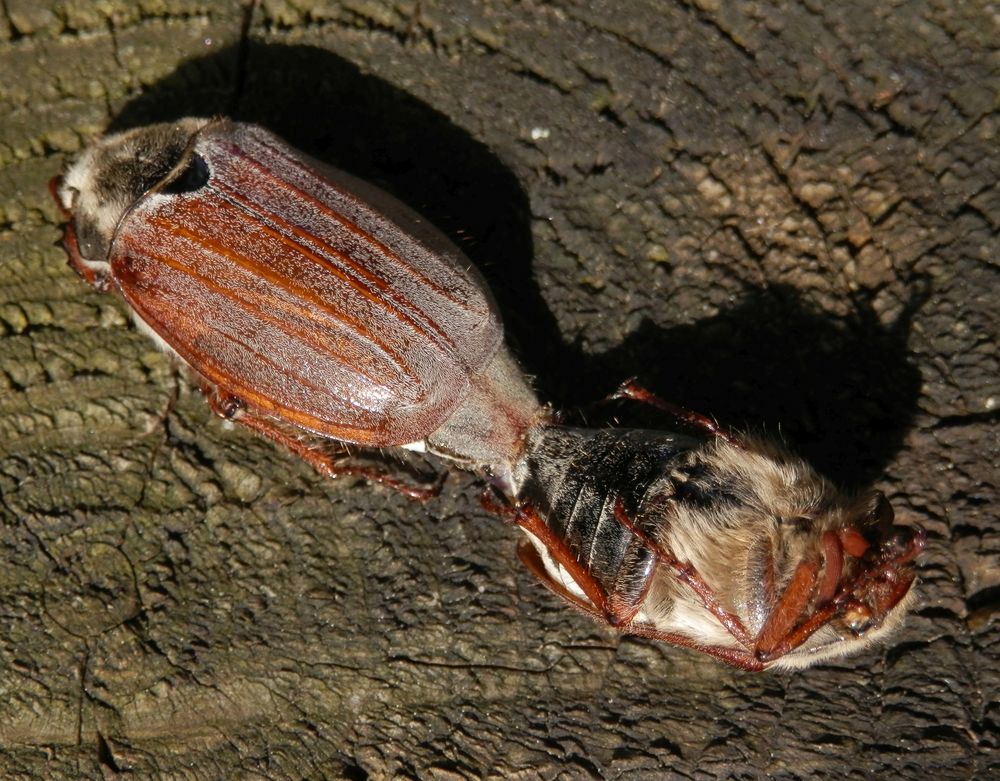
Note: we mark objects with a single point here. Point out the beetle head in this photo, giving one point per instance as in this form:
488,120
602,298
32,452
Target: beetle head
107,180
866,568
839,577
811,574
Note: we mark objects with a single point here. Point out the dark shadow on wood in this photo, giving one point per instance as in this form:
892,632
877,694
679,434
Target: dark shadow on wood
840,391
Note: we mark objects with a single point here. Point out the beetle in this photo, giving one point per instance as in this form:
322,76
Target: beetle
313,308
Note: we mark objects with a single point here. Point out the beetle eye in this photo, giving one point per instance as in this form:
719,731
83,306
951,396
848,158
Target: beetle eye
89,241
191,179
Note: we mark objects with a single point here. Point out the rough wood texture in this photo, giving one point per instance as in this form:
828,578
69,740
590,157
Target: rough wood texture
782,215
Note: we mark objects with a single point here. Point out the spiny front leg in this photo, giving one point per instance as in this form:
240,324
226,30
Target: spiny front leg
848,582
785,614
859,597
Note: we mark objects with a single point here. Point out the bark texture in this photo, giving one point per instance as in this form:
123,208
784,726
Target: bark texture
785,215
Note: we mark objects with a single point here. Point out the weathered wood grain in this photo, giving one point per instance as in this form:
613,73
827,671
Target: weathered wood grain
784,215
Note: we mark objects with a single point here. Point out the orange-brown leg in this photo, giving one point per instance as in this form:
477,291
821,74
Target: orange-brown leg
737,657
789,608
635,392
883,580
781,632
734,656
601,605
326,463
597,603
788,625
687,574
528,519
531,559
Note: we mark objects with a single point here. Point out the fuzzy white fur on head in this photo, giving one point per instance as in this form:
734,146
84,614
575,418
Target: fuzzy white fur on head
79,194
111,175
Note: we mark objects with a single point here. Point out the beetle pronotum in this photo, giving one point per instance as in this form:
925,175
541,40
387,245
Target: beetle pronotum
307,301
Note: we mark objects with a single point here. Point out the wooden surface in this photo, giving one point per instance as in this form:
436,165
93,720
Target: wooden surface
785,216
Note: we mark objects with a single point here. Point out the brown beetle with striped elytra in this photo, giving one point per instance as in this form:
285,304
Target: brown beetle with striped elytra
309,302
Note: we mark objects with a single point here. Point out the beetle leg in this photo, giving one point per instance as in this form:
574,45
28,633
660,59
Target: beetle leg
760,582
318,456
528,519
602,605
833,566
734,656
789,625
788,610
737,657
531,559
599,606
332,466
632,391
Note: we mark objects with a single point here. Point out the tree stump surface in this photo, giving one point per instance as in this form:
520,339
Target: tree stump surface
783,215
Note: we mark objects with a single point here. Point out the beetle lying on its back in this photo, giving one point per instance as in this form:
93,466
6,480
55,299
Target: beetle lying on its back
305,300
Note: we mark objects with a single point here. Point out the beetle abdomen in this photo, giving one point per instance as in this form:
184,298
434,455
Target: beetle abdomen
309,295
575,480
